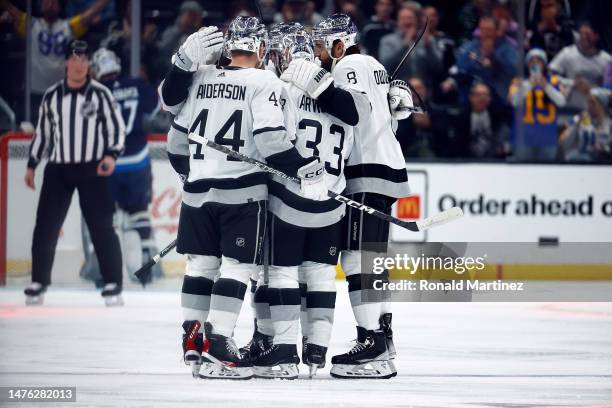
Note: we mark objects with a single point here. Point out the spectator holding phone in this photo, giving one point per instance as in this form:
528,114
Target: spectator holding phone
537,99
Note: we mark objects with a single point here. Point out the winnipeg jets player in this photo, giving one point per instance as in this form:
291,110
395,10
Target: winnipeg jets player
131,182
305,235
376,176
223,214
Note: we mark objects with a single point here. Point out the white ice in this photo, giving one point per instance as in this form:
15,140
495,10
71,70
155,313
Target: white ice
449,355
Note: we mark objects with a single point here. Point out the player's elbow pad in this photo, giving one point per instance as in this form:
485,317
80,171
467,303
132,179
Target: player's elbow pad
175,88
339,103
179,163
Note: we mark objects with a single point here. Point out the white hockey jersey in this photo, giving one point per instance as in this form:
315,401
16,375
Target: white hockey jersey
241,109
317,134
376,163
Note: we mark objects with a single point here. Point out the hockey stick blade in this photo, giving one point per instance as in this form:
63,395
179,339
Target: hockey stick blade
143,273
439,219
409,225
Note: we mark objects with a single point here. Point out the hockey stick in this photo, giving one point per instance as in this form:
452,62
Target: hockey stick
420,107
438,219
143,273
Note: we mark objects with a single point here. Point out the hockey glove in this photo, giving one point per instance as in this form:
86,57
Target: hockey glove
312,176
201,48
308,77
400,100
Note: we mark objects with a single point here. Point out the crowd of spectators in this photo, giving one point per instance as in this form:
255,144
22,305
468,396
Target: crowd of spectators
493,90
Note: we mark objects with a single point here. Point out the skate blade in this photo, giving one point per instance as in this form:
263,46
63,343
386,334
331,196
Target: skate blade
113,301
192,359
215,371
382,369
312,370
282,371
34,300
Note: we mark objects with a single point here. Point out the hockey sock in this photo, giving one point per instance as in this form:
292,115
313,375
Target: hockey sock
262,310
284,298
303,310
366,313
320,300
200,275
228,294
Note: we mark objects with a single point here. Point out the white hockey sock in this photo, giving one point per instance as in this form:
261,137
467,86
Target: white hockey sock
228,295
303,310
320,300
366,313
262,308
200,274
284,299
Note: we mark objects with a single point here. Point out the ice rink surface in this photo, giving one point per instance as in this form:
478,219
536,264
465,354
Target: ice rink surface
449,355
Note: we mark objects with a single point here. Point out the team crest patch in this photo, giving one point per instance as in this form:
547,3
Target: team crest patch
332,251
240,242
88,109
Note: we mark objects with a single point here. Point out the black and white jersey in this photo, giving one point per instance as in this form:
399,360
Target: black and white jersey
240,108
321,135
77,125
376,163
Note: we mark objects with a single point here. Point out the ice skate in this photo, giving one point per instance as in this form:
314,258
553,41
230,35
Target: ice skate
193,344
35,294
313,356
385,326
258,344
112,295
368,359
222,359
278,361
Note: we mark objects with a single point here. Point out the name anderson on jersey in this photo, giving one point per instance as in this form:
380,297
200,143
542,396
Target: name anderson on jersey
227,91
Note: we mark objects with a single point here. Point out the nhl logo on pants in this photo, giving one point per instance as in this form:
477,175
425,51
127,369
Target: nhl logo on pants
240,242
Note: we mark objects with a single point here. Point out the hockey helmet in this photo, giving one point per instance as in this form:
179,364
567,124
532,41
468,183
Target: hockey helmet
105,62
336,27
245,34
290,41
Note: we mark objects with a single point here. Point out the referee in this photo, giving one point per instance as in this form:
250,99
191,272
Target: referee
81,129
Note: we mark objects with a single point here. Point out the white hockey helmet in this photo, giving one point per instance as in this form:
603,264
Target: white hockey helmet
246,34
105,62
337,27
290,41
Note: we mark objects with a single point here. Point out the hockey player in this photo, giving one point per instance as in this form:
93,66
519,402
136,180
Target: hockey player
305,235
131,183
223,215
376,176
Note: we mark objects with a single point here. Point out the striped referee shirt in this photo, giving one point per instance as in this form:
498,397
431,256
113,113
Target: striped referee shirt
77,125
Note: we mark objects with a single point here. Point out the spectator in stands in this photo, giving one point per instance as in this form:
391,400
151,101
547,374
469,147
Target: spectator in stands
301,11
551,33
489,59
479,130
536,100
442,42
188,22
50,36
470,15
507,28
352,8
589,135
379,25
607,82
119,37
424,134
583,64
425,61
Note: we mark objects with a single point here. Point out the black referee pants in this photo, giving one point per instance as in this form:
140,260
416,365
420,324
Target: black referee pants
96,202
